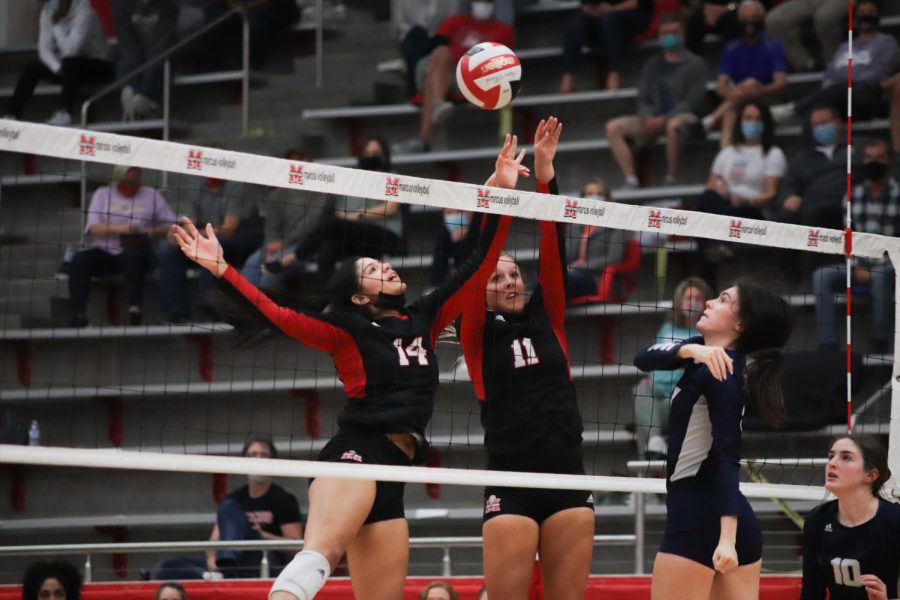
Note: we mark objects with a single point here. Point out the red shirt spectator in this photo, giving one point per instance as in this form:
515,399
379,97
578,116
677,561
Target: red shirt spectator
463,31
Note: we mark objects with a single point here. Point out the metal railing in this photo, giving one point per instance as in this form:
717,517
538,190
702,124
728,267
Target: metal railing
91,550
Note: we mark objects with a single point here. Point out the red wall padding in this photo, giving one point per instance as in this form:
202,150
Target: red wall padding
599,588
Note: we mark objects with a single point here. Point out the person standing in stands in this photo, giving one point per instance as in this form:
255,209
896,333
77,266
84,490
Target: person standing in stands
72,51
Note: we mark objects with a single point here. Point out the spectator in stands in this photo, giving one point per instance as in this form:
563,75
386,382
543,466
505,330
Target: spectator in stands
170,590
290,217
743,181
232,209
752,68
813,186
876,209
717,17
876,81
610,24
259,510
360,226
57,580
416,22
72,50
454,242
787,21
438,590
653,392
123,218
671,93
436,76
144,29
589,249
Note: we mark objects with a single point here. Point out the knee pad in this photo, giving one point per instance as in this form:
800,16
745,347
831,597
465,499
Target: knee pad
304,576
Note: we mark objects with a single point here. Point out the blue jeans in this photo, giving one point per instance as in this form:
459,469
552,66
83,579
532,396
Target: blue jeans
580,282
254,273
831,279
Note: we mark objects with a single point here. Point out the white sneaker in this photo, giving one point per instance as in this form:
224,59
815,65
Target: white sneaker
144,106
783,113
212,575
60,118
127,98
410,146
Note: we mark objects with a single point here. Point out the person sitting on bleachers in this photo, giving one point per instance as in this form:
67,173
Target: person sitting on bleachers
57,580
416,22
454,242
876,76
743,181
609,24
232,209
752,68
290,216
72,50
815,181
671,93
876,209
453,38
589,249
259,510
122,219
787,22
144,28
717,17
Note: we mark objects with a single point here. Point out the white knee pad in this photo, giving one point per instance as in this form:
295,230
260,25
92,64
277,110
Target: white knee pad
304,576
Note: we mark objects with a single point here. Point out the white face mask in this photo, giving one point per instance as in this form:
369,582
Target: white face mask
482,10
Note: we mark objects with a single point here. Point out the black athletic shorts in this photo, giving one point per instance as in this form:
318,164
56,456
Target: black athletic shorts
535,504
374,449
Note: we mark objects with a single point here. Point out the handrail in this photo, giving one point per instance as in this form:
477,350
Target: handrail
640,465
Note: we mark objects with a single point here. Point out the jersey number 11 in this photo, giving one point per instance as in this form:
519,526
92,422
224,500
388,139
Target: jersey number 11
523,353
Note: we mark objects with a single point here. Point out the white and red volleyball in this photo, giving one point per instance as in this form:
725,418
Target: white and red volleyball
488,75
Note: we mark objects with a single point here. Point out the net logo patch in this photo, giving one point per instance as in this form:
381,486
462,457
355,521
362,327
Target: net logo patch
492,504
392,187
812,240
654,219
295,175
571,210
87,145
195,160
484,199
351,455
734,229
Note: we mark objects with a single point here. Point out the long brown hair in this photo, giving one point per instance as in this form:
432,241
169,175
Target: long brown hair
423,594
874,456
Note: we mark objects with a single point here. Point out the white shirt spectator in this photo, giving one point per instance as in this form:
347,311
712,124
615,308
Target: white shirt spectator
745,168
79,33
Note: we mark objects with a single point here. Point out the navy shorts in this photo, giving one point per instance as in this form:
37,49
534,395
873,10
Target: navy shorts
535,504
692,527
375,449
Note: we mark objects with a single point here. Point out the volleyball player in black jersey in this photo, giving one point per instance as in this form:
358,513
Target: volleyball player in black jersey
851,545
712,546
384,355
517,356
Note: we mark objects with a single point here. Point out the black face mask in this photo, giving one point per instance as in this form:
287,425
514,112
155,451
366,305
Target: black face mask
753,28
867,22
874,171
371,163
391,301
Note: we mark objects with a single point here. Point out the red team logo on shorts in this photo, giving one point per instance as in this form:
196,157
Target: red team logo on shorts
195,160
87,145
655,219
484,199
391,188
571,210
351,455
296,175
813,239
734,230
492,504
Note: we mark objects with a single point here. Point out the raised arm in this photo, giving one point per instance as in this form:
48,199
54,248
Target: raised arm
664,357
552,265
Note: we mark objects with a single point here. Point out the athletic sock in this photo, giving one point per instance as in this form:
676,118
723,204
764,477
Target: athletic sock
304,576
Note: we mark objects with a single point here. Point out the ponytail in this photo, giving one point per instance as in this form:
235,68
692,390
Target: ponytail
762,381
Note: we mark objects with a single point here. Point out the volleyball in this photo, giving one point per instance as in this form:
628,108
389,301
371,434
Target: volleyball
488,75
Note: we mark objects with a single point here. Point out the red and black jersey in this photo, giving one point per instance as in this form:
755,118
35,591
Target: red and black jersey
519,366
388,366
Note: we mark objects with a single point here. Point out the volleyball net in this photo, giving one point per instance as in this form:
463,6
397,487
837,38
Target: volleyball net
172,393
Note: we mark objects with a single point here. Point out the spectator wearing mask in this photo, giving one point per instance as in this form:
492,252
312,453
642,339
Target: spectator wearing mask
231,207
72,51
752,68
671,93
788,20
290,216
717,17
876,209
122,218
360,226
876,81
454,243
57,580
144,29
259,510
416,22
436,76
609,24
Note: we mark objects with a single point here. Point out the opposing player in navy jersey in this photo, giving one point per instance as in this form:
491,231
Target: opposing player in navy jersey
712,546
384,354
851,546
517,355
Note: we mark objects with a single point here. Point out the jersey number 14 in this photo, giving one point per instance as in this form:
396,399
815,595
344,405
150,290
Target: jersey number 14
415,351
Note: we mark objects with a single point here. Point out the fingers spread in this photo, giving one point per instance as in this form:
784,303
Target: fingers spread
189,227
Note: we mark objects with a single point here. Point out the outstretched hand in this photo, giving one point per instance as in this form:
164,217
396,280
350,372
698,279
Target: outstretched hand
205,251
546,140
508,166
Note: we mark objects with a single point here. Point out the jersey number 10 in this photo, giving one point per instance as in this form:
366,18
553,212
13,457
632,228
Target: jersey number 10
523,353
846,571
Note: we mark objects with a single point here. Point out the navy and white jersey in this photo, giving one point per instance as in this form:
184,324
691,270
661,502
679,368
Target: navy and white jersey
704,425
835,556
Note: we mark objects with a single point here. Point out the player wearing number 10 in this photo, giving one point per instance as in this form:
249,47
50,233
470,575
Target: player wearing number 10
517,356
383,350
851,546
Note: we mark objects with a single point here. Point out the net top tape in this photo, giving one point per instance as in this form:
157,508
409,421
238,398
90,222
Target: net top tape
116,149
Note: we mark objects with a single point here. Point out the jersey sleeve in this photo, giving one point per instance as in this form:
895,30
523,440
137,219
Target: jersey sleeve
726,408
552,264
313,329
663,357
814,585
445,304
